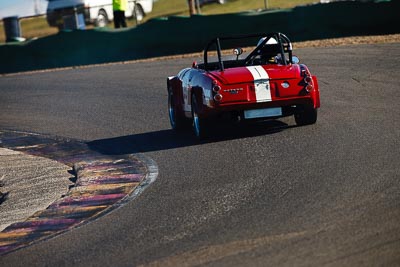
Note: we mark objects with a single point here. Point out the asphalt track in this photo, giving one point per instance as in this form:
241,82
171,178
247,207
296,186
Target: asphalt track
258,195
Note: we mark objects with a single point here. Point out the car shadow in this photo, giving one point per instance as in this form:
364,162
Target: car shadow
170,139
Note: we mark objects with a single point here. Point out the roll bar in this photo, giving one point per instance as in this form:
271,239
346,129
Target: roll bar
283,42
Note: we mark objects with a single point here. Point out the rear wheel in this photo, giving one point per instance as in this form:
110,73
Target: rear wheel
138,13
199,124
176,119
102,19
306,116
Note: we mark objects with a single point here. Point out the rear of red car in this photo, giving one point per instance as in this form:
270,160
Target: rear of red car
262,82
263,91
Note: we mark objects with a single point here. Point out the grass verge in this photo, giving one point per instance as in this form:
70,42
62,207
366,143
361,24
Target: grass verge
38,27
359,40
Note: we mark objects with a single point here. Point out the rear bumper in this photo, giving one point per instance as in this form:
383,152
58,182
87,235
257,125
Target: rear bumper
289,107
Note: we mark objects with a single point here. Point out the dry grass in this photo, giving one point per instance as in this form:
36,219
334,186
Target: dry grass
354,40
37,27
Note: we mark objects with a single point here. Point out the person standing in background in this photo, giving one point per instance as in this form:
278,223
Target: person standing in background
119,7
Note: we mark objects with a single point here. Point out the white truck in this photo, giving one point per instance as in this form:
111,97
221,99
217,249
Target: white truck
97,12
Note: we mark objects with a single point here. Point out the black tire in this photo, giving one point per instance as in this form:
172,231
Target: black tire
177,120
102,19
199,124
306,116
138,13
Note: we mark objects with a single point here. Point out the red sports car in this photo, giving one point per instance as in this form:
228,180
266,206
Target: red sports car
266,82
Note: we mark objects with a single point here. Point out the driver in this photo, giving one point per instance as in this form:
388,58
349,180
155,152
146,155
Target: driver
268,53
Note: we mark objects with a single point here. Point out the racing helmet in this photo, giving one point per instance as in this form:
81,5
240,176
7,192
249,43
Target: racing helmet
271,41
269,53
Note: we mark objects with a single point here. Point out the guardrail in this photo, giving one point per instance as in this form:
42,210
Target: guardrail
177,35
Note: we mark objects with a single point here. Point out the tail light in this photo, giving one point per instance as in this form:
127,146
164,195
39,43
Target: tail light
218,97
216,89
307,80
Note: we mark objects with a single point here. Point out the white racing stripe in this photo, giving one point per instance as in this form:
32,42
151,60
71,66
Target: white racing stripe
261,83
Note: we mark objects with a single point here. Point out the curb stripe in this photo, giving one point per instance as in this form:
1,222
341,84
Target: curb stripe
104,184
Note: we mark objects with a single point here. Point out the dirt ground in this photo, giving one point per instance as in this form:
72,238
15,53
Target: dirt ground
354,40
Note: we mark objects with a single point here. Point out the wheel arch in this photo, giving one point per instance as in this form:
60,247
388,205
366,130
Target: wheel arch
175,86
138,7
316,98
197,91
102,11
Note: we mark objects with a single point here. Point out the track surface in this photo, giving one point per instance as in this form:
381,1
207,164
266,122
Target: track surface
269,194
